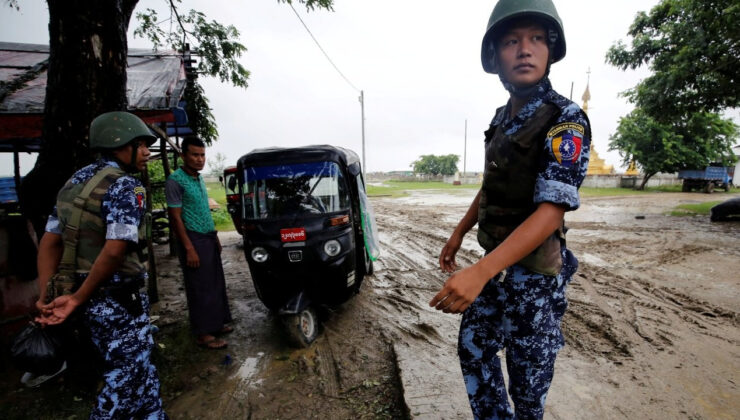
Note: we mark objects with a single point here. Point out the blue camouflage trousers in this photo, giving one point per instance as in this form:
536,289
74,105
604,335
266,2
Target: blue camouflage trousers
131,388
521,313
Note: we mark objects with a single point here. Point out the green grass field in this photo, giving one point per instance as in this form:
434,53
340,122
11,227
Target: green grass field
402,188
693,209
221,217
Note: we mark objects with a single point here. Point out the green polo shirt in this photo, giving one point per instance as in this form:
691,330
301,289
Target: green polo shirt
183,190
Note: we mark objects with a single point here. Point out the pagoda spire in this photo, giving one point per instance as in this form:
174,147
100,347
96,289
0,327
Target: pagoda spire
587,94
596,165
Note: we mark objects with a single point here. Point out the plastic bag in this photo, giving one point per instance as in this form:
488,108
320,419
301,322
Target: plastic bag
38,350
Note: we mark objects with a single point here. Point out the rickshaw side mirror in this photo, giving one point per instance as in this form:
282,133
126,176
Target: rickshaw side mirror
232,183
354,169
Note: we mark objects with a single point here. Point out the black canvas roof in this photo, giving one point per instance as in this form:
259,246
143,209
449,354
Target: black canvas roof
276,155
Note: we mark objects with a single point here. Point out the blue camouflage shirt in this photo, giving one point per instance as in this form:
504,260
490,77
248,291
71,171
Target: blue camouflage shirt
567,146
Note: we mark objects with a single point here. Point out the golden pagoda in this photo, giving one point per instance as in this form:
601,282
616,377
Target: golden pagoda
632,169
596,165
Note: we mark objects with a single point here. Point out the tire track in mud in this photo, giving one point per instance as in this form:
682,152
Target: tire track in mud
635,321
424,340
621,292
628,312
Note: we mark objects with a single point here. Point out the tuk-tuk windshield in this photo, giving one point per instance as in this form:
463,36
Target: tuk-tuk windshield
293,189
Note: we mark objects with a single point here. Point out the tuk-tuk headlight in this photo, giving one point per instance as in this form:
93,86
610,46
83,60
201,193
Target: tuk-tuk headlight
332,247
259,254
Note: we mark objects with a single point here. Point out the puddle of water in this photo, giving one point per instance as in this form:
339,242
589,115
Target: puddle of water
432,198
249,368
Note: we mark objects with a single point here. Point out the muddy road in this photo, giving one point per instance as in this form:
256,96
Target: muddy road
651,328
652,325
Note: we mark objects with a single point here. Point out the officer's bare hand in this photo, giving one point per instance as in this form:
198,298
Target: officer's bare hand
460,290
447,256
192,259
58,310
40,304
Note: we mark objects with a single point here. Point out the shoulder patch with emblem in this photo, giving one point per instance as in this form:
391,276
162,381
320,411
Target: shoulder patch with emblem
140,196
565,142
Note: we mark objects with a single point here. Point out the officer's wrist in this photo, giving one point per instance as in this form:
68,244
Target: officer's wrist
486,269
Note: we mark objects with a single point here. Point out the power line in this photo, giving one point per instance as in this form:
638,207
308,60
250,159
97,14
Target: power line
322,50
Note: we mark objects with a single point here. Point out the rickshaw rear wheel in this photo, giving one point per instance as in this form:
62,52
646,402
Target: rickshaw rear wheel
303,327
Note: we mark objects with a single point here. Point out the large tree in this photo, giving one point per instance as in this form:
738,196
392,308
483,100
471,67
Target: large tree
657,146
692,48
436,165
87,76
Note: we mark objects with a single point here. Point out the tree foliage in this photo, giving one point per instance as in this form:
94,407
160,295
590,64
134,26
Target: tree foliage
657,146
216,164
693,49
436,165
156,177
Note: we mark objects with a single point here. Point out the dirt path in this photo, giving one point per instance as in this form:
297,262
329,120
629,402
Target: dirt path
652,326
651,329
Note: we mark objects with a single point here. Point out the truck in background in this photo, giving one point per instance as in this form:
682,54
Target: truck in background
706,179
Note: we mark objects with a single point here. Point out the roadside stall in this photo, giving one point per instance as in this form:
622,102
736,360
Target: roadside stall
156,83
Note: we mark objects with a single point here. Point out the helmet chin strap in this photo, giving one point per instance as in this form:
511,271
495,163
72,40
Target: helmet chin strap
130,167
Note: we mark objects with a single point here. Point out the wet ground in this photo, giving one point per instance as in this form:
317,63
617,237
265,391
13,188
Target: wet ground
651,328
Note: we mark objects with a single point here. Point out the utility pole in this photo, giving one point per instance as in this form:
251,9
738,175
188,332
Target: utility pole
465,150
362,110
571,91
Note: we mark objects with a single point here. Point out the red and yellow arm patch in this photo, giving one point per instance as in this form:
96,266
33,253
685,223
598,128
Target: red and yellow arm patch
565,142
140,196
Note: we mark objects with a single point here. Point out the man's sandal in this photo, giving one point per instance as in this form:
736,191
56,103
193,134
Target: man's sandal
227,329
211,343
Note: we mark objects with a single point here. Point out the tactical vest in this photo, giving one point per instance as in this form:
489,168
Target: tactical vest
512,165
79,213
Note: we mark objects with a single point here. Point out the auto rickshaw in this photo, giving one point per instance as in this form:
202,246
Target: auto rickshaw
232,197
308,228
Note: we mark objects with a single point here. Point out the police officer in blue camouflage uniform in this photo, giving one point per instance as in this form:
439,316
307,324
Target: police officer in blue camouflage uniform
536,150
99,221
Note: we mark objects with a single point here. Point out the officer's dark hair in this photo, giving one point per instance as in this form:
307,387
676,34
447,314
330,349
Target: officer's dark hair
191,141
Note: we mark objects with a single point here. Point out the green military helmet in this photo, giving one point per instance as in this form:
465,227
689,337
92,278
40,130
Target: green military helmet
505,11
112,130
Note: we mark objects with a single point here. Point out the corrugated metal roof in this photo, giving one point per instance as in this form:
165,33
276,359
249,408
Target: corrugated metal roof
155,83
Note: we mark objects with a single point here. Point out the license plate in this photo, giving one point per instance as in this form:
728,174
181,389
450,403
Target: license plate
293,235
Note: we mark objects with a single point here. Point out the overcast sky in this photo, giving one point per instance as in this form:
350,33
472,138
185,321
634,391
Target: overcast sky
417,61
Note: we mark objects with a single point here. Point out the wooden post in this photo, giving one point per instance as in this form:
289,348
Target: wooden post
167,171
152,283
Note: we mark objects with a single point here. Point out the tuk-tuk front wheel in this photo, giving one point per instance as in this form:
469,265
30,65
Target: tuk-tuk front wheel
303,327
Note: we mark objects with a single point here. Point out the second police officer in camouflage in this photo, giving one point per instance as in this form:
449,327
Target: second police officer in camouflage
536,155
94,237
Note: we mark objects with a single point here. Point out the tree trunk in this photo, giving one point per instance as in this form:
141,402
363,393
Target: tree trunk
86,77
645,179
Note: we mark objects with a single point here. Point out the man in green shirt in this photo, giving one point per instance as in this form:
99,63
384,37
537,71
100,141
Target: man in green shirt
199,247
